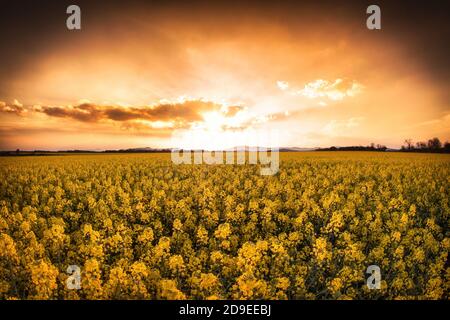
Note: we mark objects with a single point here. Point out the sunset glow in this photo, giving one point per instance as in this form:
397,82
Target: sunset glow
320,78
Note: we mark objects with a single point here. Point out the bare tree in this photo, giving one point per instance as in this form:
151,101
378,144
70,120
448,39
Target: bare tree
409,144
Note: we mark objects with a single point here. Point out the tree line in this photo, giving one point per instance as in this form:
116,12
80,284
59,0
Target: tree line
371,147
432,145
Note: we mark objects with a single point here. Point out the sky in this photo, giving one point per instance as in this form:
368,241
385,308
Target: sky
222,74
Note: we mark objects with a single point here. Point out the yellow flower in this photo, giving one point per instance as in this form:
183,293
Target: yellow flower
336,285
167,290
321,251
177,225
176,263
282,283
223,231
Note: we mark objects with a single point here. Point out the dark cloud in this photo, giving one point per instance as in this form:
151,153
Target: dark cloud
181,113
84,113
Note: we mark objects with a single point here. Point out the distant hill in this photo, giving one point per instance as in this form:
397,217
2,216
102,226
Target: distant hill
355,148
295,149
168,150
139,150
59,152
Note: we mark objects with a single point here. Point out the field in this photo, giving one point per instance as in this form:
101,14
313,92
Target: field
139,227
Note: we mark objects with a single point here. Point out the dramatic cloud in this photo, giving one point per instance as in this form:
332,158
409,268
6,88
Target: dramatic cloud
295,66
333,90
337,90
186,111
16,108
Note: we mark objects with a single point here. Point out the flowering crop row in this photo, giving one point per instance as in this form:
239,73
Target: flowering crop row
140,227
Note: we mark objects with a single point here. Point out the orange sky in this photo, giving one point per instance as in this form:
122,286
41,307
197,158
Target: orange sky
131,78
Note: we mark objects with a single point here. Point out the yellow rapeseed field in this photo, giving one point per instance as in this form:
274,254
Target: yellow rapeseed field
140,227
